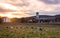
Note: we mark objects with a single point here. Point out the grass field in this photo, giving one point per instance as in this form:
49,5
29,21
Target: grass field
29,30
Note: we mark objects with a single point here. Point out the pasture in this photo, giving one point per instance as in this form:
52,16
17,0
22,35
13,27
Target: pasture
29,30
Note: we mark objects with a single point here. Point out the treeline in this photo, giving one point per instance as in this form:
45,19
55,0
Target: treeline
25,20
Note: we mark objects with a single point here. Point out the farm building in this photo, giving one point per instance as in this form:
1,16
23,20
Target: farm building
57,18
5,19
34,19
43,19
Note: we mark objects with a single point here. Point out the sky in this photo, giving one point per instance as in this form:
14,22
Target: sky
26,8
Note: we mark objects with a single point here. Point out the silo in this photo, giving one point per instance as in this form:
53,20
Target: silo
37,17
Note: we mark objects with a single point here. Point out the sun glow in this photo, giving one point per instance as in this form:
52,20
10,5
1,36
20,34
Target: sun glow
9,15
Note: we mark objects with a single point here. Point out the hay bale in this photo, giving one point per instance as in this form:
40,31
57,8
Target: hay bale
11,27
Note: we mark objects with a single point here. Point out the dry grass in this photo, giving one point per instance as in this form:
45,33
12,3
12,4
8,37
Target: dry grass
23,30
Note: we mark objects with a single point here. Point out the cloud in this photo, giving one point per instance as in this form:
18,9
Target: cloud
50,13
51,1
24,8
5,11
1,10
8,6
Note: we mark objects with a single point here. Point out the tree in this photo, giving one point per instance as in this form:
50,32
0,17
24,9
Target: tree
22,20
1,19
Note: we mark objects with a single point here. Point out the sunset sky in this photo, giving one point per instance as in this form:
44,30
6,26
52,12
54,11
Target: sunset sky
26,8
